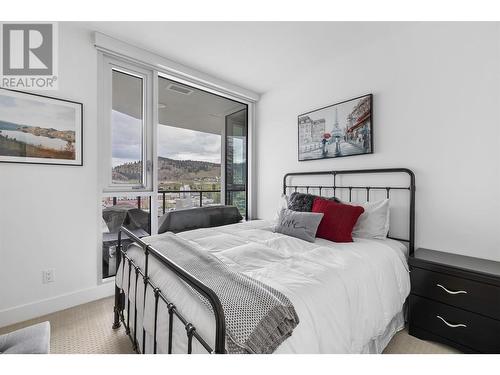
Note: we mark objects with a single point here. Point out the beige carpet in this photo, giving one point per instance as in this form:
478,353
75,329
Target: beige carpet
86,329
403,343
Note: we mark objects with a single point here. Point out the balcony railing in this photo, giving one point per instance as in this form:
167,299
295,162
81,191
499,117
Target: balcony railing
138,201
198,195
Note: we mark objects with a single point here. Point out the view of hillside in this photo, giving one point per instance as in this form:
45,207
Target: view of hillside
178,174
174,174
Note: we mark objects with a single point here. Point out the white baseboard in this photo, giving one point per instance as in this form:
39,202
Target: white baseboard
50,305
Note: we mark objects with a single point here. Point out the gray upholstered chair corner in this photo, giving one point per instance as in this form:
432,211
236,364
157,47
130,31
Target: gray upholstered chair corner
199,217
29,340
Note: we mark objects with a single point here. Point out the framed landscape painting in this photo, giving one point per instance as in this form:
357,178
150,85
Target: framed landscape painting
39,129
342,129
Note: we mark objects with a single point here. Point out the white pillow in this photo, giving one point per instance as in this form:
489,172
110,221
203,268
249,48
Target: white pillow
374,222
283,204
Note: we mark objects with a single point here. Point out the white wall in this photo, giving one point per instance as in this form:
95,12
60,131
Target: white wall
436,110
48,213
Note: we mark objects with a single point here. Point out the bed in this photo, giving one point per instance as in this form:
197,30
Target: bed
349,296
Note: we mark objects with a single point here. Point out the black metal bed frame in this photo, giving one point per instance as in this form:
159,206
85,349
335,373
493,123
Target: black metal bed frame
209,294
368,188
173,312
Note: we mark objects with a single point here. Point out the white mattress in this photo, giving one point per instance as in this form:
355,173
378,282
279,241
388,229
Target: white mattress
348,296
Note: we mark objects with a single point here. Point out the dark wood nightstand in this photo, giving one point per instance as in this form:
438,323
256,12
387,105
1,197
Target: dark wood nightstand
455,300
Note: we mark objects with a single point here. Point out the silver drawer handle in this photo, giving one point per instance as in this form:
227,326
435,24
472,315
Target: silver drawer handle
451,291
451,325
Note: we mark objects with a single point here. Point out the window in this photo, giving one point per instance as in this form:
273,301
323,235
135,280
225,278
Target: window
127,117
127,129
189,168
127,152
236,160
165,145
202,142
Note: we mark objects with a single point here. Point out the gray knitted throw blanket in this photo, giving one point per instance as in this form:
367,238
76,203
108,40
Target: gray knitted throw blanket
258,317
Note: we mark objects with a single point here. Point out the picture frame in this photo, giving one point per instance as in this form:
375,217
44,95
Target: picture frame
38,129
339,130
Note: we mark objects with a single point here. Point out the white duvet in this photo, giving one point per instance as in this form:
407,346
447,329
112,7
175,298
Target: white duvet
346,295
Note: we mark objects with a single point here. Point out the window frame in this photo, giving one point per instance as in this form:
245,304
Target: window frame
227,193
109,65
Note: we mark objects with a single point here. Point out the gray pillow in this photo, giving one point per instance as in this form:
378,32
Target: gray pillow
303,202
302,225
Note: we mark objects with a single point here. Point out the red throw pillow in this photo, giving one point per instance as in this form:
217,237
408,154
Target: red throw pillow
338,219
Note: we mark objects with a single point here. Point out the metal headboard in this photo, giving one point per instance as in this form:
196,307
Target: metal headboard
388,188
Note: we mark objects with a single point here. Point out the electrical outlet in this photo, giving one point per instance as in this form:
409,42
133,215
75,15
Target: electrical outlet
49,276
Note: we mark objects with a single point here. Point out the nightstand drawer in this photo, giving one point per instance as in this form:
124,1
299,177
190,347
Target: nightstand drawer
471,330
466,294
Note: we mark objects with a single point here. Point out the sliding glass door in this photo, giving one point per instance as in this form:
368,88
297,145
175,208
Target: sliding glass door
236,160
191,153
202,149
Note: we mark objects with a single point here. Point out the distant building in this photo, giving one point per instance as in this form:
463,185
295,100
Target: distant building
358,127
185,188
360,115
310,131
305,125
318,130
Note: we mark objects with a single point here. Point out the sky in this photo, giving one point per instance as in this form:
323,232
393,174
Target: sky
34,112
174,143
184,144
126,136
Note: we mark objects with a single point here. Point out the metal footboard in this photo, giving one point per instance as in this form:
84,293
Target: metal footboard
161,297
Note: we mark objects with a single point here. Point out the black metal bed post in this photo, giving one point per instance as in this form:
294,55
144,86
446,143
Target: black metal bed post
334,183
116,321
118,307
146,280
411,249
209,294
